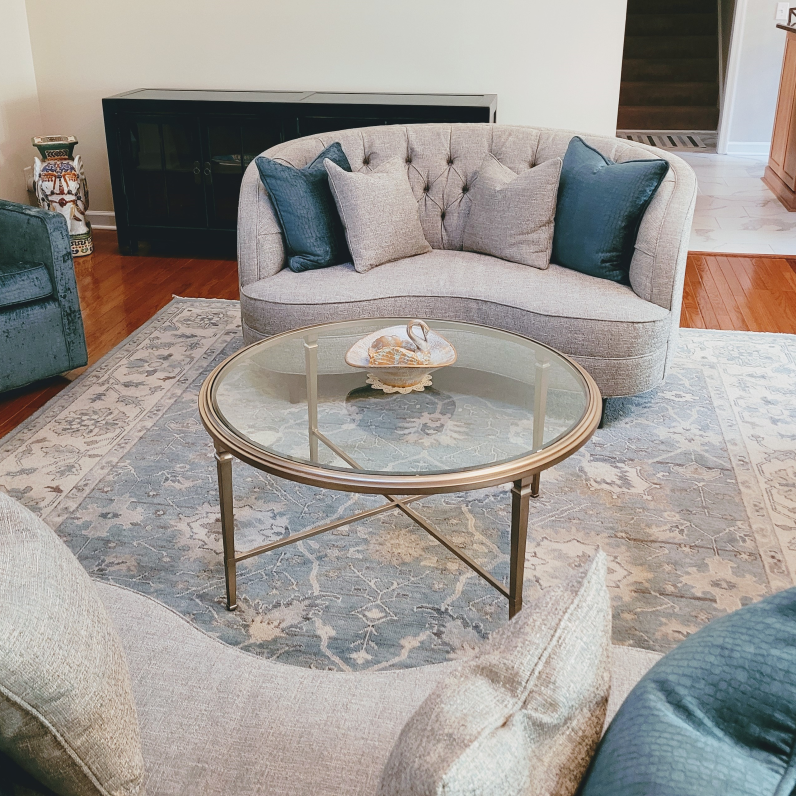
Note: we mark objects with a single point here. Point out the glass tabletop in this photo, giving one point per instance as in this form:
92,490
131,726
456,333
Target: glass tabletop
505,398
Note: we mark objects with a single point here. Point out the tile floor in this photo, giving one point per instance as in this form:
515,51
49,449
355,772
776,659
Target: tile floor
735,211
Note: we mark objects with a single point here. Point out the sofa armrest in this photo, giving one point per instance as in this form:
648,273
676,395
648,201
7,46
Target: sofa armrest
657,270
261,249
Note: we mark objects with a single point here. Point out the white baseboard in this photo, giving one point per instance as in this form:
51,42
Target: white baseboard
102,219
749,148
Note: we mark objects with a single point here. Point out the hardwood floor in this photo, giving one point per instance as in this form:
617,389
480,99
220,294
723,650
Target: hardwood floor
749,294
119,294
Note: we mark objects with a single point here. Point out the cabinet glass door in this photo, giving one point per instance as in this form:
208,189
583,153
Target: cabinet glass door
164,171
231,144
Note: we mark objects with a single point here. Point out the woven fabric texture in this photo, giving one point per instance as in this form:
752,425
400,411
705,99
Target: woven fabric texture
311,226
525,715
715,717
379,214
512,216
66,705
620,338
600,207
217,721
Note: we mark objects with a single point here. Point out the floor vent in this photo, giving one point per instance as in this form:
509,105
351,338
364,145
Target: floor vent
671,139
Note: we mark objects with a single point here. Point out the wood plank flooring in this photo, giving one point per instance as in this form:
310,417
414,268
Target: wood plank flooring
740,292
119,294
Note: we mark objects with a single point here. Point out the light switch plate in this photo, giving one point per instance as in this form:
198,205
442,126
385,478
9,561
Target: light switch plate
782,12
29,178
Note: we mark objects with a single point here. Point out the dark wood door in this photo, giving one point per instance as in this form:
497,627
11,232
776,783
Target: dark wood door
163,171
230,144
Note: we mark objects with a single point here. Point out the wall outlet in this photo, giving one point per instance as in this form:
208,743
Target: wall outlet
28,171
782,12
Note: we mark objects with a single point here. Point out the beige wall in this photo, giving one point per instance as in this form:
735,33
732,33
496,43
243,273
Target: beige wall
549,64
20,119
755,64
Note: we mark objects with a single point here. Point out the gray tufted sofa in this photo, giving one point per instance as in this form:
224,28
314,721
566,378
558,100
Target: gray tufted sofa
624,336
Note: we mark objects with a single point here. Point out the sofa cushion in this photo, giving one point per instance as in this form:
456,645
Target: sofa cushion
66,705
525,713
579,314
379,213
305,208
217,721
23,282
600,207
715,717
512,216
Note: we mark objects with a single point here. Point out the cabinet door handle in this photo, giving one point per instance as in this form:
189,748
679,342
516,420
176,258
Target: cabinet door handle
197,172
208,172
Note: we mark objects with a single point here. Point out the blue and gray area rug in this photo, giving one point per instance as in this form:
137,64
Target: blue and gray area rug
690,490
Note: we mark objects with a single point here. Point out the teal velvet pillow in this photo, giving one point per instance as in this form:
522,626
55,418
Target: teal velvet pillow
302,199
714,717
600,206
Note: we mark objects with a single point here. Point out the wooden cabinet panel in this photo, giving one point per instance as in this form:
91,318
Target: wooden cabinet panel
177,157
783,120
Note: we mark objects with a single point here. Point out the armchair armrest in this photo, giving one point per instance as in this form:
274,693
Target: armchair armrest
30,234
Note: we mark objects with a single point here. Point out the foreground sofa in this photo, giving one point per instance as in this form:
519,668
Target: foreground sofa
623,335
214,721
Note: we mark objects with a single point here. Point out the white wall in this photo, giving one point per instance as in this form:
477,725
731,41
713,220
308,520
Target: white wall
753,78
549,64
20,119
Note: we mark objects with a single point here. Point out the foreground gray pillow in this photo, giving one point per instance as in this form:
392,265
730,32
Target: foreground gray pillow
523,715
379,213
512,215
66,705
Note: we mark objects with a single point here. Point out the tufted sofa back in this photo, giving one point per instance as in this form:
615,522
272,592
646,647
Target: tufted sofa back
443,159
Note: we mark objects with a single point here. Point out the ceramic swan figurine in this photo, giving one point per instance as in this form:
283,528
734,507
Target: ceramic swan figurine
392,350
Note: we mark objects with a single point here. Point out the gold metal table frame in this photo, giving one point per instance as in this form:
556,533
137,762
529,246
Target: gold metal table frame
398,490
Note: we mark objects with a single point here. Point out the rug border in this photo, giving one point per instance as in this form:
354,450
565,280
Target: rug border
101,361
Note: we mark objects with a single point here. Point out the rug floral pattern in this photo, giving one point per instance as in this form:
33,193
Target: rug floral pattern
690,490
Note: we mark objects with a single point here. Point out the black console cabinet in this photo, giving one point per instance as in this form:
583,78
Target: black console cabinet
177,157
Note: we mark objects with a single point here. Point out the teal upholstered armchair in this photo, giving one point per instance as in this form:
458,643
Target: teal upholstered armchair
41,328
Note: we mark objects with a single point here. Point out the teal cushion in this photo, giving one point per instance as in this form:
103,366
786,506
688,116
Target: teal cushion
23,282
714,717
600,206
302,199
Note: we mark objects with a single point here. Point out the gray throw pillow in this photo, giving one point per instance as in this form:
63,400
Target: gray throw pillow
66,705
379,213
525,713
512,215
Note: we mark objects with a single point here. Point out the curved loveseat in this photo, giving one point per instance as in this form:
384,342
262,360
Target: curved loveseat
623,335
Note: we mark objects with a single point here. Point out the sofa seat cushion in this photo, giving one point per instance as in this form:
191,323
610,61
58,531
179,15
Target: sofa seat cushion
23,282
594,317
217,721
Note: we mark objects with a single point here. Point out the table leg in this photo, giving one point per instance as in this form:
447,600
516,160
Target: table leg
520,500
224,468
540,388
311,364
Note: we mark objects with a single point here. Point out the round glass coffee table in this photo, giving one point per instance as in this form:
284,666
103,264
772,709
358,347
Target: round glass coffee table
290,405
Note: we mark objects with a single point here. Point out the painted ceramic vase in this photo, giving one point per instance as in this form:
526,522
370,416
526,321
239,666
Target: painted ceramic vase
59,181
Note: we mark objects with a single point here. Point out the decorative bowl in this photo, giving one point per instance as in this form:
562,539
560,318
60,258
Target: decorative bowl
399,359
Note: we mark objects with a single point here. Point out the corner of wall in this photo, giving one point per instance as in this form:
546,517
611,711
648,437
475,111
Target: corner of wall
20,112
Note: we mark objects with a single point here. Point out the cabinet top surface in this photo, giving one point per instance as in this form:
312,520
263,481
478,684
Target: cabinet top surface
307,97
